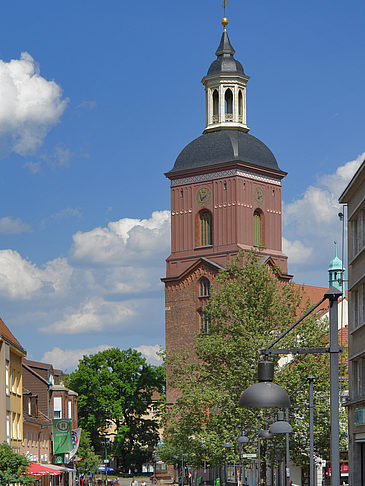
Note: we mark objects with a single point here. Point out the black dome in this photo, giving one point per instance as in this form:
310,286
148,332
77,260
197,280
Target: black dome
225,64
222,146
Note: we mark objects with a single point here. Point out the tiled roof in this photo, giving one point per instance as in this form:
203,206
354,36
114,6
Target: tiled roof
9,337
37,364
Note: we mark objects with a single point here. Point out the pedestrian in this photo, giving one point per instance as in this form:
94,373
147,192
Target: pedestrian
143,483
134,482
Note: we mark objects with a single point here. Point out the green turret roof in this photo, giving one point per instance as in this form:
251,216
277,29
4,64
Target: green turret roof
336,263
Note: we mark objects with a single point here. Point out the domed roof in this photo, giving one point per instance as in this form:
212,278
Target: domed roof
225,62
222,146
336,263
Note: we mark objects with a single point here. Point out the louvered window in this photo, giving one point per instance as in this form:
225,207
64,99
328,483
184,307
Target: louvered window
206,228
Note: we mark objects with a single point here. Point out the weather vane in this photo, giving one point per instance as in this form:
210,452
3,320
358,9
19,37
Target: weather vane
224,21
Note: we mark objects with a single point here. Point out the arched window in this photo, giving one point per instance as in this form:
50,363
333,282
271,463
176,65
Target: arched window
215,106
228,98
258,227
204,322
204,287
206,228
240,106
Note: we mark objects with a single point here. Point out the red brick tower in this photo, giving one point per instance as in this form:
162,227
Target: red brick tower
225,196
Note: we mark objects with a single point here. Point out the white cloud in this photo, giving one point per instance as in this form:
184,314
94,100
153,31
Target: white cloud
33,167
151,353
120,293
11,226
316,211
87,104
311,222
59,157
124,240
67,359
63,214
93,315
296,251
29,105
21,279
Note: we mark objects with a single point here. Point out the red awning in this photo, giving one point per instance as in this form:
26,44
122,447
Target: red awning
37,470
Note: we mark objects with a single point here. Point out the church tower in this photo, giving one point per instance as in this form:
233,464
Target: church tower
225,197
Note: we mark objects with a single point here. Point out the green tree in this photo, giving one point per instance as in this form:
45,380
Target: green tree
249,308
13,467
89,460
115,390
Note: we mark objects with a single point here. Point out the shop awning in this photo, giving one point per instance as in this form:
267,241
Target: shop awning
37,470
60,469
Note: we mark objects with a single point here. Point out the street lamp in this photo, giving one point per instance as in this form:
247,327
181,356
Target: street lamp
265,433
106,443
281,426
265,395
227,445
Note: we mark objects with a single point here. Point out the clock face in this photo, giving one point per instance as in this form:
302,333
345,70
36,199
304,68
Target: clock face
259,195
203,196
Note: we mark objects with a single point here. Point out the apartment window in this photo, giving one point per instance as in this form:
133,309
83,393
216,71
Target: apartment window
57,407
362,377
14,426
355,379
18,426
8,427
354,231
7,371
355,308
19,381
13,389
29,406
69,409
358,378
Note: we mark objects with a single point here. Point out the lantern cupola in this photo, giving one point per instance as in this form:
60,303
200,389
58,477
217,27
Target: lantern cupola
225,89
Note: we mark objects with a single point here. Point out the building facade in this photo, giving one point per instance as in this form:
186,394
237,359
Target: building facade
225,197
45,398
354,197
11,405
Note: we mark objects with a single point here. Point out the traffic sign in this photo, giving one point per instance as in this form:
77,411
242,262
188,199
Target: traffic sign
248,456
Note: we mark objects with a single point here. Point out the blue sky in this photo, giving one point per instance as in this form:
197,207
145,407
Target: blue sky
96,101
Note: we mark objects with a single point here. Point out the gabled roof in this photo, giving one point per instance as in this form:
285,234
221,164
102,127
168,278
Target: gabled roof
38,364
268,260
9,337
192,267
34,373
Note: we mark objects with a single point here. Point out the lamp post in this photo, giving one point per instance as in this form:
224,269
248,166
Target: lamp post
227,445
265,395
242,439
282,426
106,443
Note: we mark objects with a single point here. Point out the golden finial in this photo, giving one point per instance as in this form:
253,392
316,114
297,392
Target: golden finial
224,21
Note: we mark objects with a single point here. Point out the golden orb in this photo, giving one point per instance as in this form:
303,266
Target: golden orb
224,21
